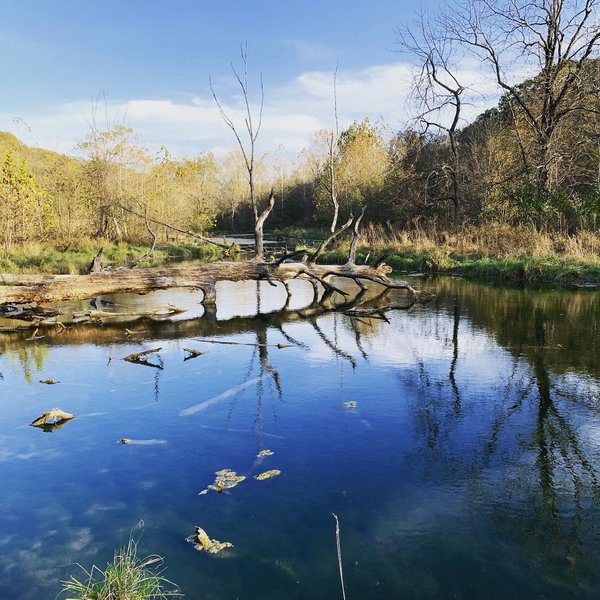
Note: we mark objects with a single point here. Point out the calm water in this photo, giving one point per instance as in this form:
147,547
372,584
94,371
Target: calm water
468,469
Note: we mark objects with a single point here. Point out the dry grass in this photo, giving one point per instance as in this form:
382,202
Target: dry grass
487,241
492,251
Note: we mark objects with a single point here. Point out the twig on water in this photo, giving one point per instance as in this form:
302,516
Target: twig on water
339,553
280,346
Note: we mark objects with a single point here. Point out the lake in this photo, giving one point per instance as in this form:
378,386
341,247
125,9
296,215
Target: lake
468,468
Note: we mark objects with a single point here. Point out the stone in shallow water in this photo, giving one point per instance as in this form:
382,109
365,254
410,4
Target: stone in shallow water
267,474
225,480
265,453
203,543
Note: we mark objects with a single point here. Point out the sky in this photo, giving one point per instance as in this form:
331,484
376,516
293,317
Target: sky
147,64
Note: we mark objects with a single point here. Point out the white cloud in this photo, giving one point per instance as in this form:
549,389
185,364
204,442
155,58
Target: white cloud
292,112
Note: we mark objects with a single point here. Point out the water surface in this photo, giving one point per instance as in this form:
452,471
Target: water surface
468,468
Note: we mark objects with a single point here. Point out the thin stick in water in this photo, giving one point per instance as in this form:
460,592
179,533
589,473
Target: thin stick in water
339,553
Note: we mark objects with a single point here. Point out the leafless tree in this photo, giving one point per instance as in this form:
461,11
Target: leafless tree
249,150
334,139
437,92
548,39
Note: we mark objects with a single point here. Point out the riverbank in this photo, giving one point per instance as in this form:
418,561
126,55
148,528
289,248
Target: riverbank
495,253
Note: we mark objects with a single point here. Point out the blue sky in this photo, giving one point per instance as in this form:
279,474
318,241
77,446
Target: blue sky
153,59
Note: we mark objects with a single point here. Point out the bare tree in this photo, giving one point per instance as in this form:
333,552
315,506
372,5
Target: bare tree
324,160
437,92
333,141
249,150
551,39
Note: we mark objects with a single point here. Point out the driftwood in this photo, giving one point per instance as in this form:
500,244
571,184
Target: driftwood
141,358
192,353
160,311
231,343
53,418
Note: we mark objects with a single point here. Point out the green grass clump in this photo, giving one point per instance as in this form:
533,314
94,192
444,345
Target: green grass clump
127,577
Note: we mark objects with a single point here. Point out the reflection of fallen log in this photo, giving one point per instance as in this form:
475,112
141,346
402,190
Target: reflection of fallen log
372,313
53,419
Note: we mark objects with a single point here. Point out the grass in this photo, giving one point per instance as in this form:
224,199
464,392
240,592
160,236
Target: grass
127,577
494,252
75,258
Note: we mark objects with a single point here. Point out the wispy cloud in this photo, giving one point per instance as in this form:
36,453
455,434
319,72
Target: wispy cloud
292,112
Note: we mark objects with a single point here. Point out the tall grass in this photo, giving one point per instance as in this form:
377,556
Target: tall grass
489,251
127,577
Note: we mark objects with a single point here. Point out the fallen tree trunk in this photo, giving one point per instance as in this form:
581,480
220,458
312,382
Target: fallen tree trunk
44,289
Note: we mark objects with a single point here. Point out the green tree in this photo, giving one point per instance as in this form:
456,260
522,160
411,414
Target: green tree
25,209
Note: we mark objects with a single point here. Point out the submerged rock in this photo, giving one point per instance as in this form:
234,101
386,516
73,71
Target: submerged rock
265,453
52,417
267,474
203,543
225,480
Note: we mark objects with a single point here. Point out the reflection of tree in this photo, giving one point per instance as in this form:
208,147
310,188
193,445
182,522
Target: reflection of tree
533,433
260,362
452,374
27,358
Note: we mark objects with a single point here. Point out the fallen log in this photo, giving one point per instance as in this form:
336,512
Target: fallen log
161,311
44,289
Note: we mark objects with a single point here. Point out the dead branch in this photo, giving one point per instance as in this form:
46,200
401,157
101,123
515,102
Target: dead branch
174,228
258,227
355,238
192,353
231,343
329,239
161,311
149,253
141,358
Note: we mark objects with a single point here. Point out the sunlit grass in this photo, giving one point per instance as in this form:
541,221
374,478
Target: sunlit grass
127,577
491,251
75,258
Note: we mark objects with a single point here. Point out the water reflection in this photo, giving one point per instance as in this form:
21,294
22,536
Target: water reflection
468,467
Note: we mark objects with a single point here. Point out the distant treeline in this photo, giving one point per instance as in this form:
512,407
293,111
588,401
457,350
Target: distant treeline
492,170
